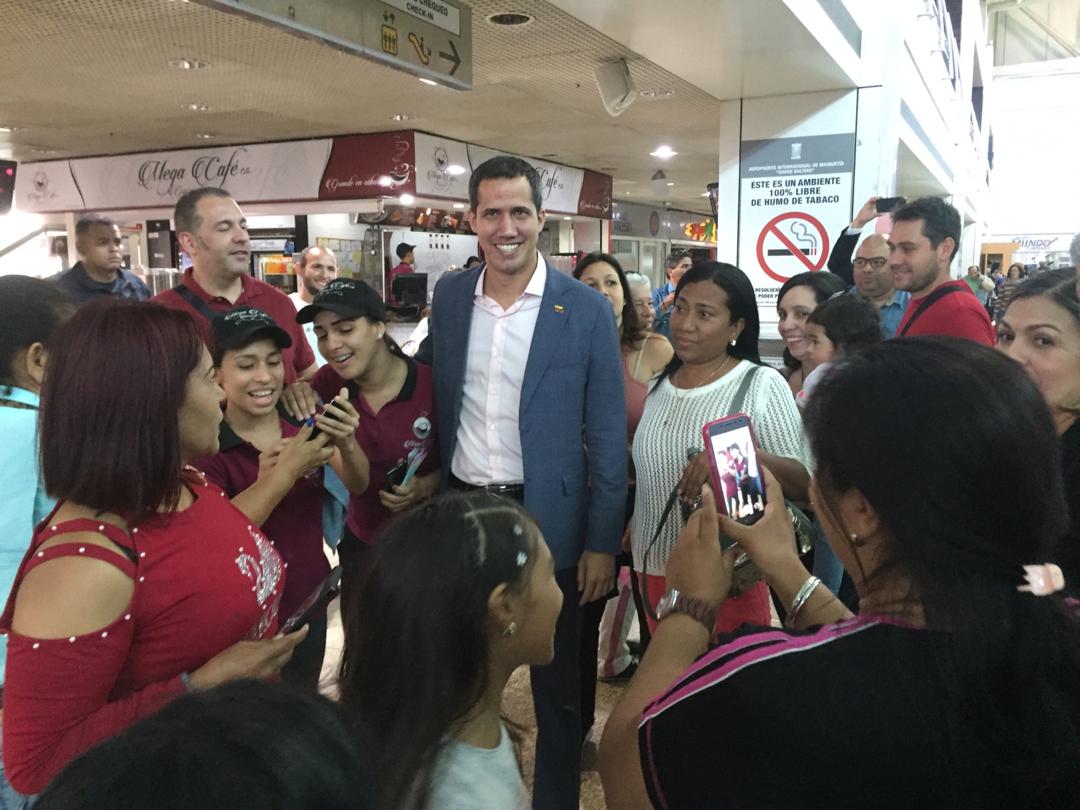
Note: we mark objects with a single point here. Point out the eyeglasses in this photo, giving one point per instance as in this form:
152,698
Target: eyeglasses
877,263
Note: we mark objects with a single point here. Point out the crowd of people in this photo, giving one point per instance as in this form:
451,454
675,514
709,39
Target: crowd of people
509,496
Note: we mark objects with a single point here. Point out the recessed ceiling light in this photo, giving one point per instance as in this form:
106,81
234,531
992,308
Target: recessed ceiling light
704,194
455,169
9,129
656,93
206,136
401,117
189,64
432,82
568,219
385,181
509,18
670,185
459,206
663,152
407,199
197,107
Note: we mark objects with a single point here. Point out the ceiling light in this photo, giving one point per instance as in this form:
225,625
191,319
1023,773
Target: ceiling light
407,199
385,181
657,93
428,212
432,82
704,194
664,152
459,206
9,129
455,169
197,107
188,64
205,136
509,18
568,219
670,185
400,117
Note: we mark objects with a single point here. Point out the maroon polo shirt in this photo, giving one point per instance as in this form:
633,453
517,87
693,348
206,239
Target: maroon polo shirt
254,293
295,525
386,438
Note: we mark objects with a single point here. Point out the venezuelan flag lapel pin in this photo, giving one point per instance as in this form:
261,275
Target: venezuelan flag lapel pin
559,308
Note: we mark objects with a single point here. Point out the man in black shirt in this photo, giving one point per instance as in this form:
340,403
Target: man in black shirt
99,274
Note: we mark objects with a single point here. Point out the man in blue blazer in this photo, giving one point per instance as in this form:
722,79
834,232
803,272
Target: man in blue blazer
530,404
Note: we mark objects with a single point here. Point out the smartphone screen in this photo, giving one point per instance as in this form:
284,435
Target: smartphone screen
736,476
316,601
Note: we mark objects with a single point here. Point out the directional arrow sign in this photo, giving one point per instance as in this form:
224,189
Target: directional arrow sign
453,58
392,32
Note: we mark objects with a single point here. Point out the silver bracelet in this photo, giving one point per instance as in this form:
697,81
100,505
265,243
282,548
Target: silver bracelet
801,598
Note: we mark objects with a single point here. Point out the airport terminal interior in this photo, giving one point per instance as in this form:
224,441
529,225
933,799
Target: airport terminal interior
539,403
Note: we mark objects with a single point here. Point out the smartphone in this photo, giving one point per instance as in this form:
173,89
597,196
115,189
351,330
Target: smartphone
887,204
395,476
315,603
737,480
316,430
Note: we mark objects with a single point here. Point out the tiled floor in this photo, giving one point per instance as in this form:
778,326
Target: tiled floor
517,705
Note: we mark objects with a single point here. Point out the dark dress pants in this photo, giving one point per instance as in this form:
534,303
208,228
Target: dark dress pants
557,701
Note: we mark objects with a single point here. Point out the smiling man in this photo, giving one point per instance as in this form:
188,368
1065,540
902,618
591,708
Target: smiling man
529,385
212,230
100,272
924,239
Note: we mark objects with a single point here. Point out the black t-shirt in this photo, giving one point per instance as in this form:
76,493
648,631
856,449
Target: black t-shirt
851,715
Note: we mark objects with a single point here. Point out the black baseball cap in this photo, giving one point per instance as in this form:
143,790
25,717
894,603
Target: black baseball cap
348,297
404,249
238,327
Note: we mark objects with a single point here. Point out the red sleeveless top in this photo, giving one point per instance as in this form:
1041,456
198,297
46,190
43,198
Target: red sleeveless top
205,578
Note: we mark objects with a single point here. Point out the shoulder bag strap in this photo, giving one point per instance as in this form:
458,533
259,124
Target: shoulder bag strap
195,301
933,297
738,402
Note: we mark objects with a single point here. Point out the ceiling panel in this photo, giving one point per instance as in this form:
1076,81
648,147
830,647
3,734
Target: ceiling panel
91,77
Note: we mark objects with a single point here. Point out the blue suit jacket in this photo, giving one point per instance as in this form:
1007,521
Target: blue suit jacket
572,418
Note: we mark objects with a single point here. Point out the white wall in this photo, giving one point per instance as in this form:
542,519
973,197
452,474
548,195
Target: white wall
31,259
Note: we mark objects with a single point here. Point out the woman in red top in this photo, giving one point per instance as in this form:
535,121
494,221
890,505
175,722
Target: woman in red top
145,581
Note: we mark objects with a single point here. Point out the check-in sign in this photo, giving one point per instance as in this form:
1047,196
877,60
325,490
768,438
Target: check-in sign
427,38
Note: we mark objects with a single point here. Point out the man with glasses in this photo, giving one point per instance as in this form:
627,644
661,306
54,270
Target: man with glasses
869,271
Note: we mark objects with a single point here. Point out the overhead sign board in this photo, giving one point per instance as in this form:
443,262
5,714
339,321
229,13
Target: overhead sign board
427,38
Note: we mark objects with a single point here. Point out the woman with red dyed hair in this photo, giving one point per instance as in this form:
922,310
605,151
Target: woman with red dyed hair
144,582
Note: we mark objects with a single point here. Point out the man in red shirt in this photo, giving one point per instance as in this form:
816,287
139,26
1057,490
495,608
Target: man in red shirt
924,239
213,231
406,260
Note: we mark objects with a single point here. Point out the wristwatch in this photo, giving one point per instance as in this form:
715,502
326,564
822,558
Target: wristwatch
675,601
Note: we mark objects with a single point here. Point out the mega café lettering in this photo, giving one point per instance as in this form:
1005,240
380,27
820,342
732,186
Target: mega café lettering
168,180
550,180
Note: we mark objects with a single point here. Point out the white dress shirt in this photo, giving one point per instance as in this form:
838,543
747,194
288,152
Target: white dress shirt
309,329
488,435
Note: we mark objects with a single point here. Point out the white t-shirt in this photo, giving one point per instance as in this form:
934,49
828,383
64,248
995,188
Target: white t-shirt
467,777
309,329
671,424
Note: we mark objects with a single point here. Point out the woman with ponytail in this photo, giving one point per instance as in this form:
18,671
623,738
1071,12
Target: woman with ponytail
955,686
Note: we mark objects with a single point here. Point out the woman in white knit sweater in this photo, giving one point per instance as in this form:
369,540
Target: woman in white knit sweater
714,330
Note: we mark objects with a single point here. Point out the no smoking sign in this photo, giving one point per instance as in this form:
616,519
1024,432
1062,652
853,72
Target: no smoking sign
790,244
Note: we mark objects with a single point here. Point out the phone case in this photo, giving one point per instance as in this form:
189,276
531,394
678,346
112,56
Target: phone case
715,475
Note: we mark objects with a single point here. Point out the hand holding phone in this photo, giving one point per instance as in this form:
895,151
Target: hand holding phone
315,603
887,204
735,472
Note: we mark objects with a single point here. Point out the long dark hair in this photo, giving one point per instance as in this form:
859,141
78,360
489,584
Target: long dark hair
30,311
633,332
110,404
824,284
944,417
1057,286
417,633
741,303
241,744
